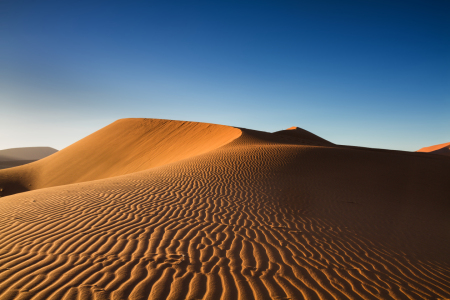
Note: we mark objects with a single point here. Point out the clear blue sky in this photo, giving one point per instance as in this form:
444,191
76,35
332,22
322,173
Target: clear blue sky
367,73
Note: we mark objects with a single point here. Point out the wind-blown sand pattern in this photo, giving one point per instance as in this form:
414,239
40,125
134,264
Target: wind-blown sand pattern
252,215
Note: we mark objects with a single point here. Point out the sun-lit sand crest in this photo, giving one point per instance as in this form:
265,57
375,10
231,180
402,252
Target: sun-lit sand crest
157,209
443,149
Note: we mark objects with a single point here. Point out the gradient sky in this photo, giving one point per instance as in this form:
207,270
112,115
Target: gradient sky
367,73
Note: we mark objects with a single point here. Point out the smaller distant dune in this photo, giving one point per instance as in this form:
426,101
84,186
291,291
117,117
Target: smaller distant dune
442,149
25,153
15,157
304,136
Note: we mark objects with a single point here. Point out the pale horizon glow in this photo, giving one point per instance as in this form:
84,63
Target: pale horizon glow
373,74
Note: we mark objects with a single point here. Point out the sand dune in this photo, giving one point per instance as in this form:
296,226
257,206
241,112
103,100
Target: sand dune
304,137
226,213
123,147
443,149
26,153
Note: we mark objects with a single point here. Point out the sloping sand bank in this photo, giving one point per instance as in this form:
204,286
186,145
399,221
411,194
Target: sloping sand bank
263,216
14,163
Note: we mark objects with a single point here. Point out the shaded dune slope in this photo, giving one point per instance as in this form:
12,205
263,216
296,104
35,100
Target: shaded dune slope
14,163
260,217
123,147
443,149
303,136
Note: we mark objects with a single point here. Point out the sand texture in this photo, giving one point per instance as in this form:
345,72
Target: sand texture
200,211
443,149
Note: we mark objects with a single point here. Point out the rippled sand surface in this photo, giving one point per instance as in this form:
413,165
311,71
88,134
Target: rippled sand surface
157,209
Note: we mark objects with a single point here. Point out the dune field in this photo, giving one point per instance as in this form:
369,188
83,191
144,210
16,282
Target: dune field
159,209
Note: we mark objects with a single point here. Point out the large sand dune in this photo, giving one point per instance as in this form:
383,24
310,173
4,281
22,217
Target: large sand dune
123,147
216,212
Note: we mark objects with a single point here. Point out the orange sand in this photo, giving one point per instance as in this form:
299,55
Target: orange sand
156,209
123,147
443,149
13,163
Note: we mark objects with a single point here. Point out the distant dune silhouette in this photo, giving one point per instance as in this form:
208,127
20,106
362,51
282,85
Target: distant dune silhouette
26,153
160,209
14,157
306,136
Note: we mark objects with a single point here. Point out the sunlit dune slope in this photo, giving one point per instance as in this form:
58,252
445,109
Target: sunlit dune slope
263,216
443,149
123,147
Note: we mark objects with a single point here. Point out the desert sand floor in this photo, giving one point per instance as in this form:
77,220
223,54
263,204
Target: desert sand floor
217,212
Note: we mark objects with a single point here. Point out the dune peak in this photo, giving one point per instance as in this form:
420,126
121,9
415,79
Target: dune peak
442,149
303,135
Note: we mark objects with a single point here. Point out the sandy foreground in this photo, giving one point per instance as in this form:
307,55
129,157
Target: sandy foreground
157,209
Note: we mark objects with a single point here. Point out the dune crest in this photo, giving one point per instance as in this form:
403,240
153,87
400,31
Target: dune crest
443,149
304,135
